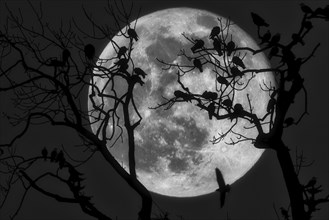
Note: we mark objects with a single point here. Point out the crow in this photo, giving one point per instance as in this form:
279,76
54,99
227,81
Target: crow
214,32
197,45
140,72
209,95
237,61
53,155
218,46
258,20
230,47
211,110
89,51
223,188
236,72
44,153
132,34
183,95
222,80
122,51
266,37
238,108
197,63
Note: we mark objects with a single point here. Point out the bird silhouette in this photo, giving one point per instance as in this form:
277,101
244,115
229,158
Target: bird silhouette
223,188
266,37
197,63
183,95
60,159
140,72
311,183
214,32
228,103
211,110
209,95
238,109
230,47
132,34
308,25
237,61
44,153
298,39
65,56
222,80
258,20
137,79
273,52
122,64
288,121
197,45
53,155
275,39
306,9
235,72
284,213
89,51
218,46
122,51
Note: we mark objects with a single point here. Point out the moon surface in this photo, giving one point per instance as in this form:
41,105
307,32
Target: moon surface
174,153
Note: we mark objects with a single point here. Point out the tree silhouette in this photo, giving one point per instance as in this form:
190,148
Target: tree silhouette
226,59
47,90
46,69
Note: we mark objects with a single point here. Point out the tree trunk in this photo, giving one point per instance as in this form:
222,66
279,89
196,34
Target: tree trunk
292,183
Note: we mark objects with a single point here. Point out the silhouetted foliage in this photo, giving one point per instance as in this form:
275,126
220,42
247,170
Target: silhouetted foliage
228,64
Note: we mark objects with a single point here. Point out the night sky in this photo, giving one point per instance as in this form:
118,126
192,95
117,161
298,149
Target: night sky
254,195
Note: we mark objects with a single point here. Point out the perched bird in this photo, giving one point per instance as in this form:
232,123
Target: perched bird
137,79
275,39
122,51
132,34
211,110
288,121
306,9
60,159
273,52
122,64
308,25
65,56
89,51
284,213
222,80
223,188
209,95
311,183
140,72
53,155
235,72
182,95
298,39
197,45
271,105
197,63
237,61
228,103
218,46
214,32
266,37
44,153
238,108
258,20
230,47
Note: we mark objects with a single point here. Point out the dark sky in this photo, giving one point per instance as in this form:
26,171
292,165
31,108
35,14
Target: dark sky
253,196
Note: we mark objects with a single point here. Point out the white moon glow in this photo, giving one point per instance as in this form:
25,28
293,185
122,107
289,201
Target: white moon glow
174,155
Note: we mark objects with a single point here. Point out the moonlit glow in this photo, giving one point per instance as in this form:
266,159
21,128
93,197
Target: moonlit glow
174,155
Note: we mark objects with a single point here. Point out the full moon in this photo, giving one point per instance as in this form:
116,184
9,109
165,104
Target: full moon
175,155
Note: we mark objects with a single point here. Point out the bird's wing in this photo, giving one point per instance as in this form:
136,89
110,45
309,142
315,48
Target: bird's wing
222,199
219,177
